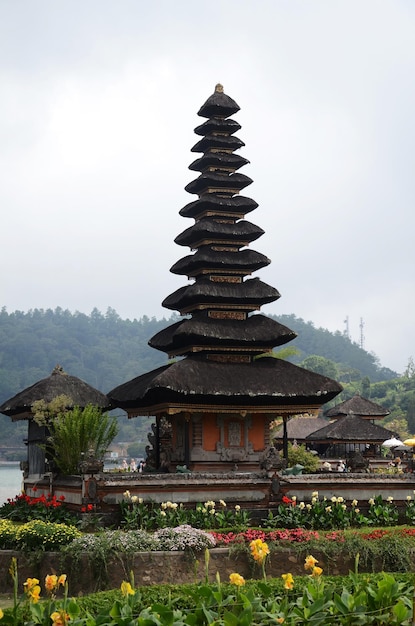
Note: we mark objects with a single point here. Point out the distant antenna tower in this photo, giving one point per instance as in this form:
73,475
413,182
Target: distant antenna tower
362,337
346,330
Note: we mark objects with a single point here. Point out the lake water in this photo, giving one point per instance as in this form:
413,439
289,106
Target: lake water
11,479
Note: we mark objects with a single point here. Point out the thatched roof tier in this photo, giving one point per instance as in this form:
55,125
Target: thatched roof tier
57,384
222,142
266,382
358,406
206,260
248,295
351,428
219,205
256,334
219,160
220,183
300,427
218,105
238,233
218,125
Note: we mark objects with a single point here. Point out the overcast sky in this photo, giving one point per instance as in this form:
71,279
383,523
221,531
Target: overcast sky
98,102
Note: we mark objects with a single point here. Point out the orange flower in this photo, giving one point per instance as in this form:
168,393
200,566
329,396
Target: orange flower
280,620
288,581
51,582
310,562
236,579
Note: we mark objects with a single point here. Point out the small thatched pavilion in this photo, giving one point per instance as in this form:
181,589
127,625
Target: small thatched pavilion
357,405
59,383
348,435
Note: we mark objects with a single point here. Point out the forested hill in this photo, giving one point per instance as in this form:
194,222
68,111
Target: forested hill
105,350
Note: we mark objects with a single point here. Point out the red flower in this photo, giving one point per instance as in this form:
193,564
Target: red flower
287,500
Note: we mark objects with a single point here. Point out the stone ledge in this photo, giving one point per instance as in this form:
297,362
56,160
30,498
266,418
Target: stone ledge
151,568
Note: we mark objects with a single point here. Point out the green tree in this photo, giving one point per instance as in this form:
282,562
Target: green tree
321,365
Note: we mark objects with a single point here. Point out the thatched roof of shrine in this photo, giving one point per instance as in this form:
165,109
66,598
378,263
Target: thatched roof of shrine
218,204
197,381
207,228
57,384
300,427
257,331
353,429
358,406
218,104
250,294
246,260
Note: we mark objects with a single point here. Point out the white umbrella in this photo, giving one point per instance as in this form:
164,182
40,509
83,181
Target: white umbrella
392,443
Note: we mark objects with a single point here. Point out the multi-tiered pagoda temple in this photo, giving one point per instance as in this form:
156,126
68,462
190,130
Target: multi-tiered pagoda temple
219,400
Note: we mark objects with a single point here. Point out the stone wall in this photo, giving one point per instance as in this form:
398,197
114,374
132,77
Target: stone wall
161,567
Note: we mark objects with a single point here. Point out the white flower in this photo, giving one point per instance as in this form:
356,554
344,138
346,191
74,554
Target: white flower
409,498
294,498
134,499
237,507
354,503
334,499
357,510
301,505
173,505
212,511
163,513
344,507
222,503
315,494
371,501
328,509
140,500
308,507
163,505
127,494
340,499
313,500
389,499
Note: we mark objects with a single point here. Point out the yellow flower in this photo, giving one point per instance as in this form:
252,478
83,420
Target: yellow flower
236,579
30,583
59,618
62,580
317,571
288,581
259,550
126,589
51,582
310,562
1,614
34,594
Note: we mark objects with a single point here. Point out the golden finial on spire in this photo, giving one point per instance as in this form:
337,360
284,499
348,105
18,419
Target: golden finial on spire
219,88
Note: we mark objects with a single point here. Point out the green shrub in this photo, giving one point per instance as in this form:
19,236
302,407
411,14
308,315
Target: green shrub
299,455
